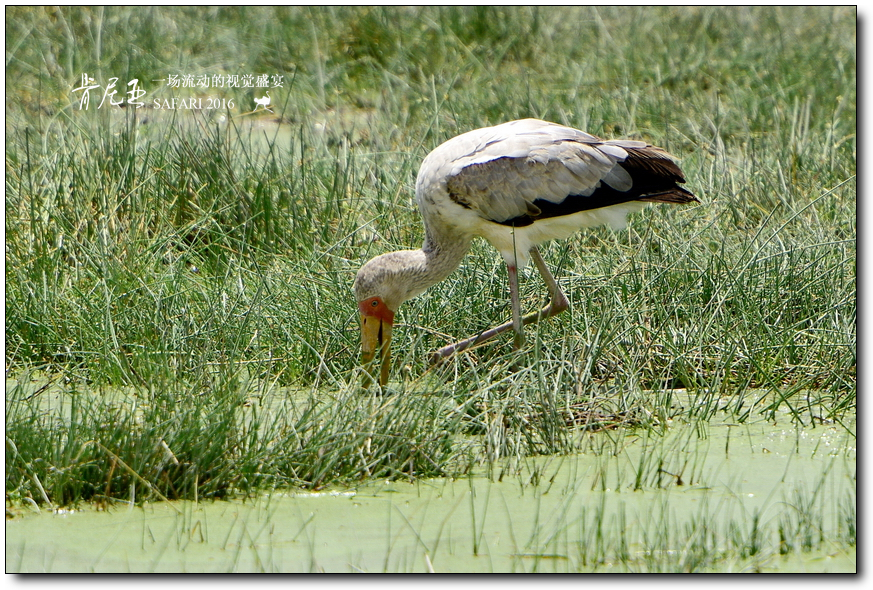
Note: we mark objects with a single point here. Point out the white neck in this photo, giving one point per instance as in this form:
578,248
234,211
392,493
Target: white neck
398,276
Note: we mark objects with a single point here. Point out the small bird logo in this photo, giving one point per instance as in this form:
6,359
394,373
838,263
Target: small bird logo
264,101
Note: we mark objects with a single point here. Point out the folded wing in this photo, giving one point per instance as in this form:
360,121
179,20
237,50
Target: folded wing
528,170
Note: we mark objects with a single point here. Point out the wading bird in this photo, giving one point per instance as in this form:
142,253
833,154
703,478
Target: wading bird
517,185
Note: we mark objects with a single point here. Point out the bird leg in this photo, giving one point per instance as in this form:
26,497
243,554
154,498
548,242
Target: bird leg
557,300
557,303
517,321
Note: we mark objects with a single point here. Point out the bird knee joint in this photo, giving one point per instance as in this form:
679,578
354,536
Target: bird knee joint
560,303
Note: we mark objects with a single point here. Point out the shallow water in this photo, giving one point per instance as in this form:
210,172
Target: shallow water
573,513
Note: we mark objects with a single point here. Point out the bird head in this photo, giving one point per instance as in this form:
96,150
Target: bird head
379,295
381,286
376,323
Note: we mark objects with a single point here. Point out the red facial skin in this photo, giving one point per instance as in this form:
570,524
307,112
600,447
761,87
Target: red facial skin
375,307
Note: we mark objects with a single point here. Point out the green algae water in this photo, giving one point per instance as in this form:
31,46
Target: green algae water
735,498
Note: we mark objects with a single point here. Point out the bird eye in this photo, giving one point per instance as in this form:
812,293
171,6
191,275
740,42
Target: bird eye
375,303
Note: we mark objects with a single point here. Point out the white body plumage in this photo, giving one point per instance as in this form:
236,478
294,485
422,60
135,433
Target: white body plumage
537,160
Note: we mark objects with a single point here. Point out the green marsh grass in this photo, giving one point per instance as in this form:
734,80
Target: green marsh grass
179,319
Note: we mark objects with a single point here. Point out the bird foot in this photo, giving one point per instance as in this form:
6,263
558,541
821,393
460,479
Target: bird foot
518,341
558,304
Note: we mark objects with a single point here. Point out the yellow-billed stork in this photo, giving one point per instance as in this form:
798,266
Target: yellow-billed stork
517,185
